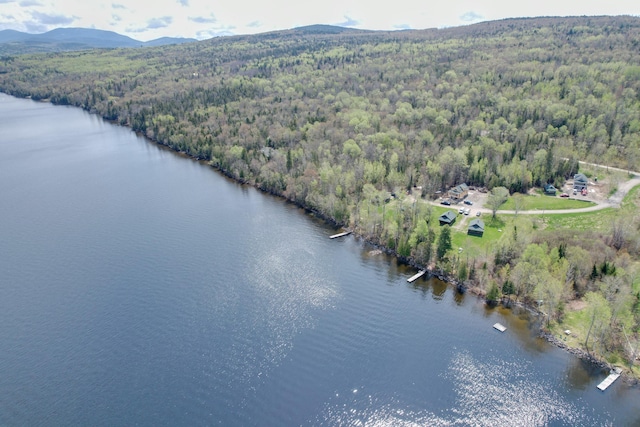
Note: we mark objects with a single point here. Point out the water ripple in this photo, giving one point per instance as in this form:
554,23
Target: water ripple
488,393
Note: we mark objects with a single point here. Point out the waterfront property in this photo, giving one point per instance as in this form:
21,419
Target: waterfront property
248,316
447,218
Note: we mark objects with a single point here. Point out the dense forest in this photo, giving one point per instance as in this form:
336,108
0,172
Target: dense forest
347,122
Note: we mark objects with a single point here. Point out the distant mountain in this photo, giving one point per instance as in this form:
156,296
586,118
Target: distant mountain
65,39
168,40
326,29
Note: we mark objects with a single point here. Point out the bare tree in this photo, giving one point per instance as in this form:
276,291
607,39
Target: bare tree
496,198
619,233
518,203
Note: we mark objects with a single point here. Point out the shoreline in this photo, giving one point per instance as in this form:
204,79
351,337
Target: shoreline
440,275
431,273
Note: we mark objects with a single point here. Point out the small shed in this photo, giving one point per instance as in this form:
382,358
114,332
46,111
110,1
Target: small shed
550,190
447,218
580,182
476,227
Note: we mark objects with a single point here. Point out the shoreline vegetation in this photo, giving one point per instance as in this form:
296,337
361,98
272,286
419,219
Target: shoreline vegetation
368,129
543,333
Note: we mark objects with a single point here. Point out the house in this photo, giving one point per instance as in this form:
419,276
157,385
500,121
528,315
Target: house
580,182
550,190
476,227
447,218
459,192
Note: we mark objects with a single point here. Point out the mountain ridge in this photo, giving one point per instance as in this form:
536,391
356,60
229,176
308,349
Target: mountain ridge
74,38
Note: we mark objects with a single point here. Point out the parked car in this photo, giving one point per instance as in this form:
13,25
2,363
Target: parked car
478,213
445,202
467,211
564,195
461,210
468,202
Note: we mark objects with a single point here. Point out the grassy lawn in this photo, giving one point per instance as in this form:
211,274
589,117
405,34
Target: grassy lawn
596,220
632,199
474,246
531,203
575,321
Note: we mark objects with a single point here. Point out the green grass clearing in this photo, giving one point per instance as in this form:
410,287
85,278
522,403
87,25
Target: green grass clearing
474,246
532,203
596,220
577,322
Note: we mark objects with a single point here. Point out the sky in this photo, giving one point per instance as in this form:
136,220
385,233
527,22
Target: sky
202,19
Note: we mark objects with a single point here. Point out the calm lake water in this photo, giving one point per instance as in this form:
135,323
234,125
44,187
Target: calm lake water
138,287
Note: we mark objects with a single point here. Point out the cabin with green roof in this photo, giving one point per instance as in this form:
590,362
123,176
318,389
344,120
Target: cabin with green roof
447,218
476,228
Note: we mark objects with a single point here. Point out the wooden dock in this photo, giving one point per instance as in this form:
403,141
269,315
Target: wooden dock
500,327
416,276
614,375
346,233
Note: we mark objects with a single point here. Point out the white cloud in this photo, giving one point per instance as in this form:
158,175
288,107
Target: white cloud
162,22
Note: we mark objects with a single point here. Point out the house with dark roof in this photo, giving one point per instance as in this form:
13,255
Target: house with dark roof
550,190
447,218
459,192
476,227
580,182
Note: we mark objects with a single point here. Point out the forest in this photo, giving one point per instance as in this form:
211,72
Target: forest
365,127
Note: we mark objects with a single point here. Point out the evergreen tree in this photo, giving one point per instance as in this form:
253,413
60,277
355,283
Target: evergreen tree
444,242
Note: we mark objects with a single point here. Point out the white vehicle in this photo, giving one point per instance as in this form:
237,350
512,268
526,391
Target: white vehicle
467,211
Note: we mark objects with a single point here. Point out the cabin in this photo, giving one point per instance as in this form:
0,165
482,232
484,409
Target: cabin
580,182
459,192
550,190
447,218
476,227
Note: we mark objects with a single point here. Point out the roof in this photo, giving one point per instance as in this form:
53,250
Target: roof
448,216
458,189
580,177
476,225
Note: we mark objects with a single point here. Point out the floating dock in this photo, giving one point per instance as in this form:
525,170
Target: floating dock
416,276
346,233
614,375
500,327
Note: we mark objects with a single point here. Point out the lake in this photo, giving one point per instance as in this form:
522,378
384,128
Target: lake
140,287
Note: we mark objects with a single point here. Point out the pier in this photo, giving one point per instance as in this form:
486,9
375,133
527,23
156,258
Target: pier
346,233
614,375
500,327
416,276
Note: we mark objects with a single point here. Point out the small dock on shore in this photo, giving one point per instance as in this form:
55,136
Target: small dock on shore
500,327
416,276
614,375
335,236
